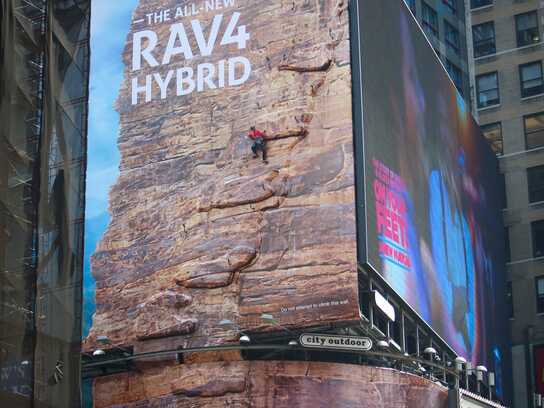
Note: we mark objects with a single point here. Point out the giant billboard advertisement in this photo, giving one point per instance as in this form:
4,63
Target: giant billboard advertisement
433,221
220,171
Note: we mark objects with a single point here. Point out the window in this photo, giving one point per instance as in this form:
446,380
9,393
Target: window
451,37
483,37
531,82
487,86
429,19
424,341
474,4
412,5
527,29
537,229
534,130
395,328
410,330
451,5
507,245
509,300
493,134
535,179
539,283
455,74
503,202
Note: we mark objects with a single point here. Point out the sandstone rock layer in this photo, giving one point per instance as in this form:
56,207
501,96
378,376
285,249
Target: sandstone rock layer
261,384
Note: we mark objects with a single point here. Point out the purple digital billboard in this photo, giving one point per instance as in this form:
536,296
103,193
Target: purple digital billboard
432,199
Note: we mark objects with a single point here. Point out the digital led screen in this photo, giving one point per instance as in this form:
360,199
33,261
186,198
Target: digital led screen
433,221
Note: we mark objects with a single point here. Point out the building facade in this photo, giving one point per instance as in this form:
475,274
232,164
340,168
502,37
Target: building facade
444,22
508,54
43,114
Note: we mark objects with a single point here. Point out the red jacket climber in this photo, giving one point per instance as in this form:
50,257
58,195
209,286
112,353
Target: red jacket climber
259,142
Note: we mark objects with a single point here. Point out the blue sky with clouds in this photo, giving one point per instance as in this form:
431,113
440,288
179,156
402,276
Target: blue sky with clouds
110,23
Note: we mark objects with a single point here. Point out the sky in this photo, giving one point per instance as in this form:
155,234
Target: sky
110,23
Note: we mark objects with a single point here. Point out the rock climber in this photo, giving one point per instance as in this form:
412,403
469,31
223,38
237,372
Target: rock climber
259,142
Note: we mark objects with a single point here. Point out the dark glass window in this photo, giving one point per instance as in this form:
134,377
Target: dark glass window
424,341
483,37
480,3
531,81
488,89
509,300
455,74
537,229
451,37
412,5
534,130
535,179
493,133
429,19
507,244
451,5
504,203
527,29
395,328
539,283
410,330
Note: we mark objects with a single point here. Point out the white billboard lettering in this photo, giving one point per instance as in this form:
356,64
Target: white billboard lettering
138,52
146,47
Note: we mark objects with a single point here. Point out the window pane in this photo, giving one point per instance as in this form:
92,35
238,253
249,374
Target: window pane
451,5
411,4
509,299
429,19
452,37
539,284
535,179
525,21
488,90
480,3
531,71
483,39
534,130
531,79
537,228
493,133
507,244
527,29
487,82
455,74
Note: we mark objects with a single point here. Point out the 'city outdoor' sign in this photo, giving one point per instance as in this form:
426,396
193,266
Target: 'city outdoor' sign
335,342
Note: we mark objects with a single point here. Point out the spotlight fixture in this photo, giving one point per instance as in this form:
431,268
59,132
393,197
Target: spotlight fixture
431,351
382,344
460,360
245,339
99,352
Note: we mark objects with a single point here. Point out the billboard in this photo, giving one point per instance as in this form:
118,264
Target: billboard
194,219
433,221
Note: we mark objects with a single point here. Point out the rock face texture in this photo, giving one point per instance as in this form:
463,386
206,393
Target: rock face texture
200,230
270,384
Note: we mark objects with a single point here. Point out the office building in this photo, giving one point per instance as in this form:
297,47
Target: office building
445,24
508,54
